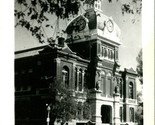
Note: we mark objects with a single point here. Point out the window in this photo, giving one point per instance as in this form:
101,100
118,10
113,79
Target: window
131,114
106,113
65,76
112,54
116,54
109,54
75,79
131,90
103,85
102,51
85,79
105,52
80,80
108,85
121,114
99,48
108,90
103,81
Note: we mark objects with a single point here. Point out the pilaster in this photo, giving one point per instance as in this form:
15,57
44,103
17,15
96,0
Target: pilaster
116,109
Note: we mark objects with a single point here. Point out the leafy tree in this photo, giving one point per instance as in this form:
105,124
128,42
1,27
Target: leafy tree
35,15
63,104
139,112
140,66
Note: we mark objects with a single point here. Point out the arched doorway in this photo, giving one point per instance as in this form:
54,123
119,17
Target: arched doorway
106,114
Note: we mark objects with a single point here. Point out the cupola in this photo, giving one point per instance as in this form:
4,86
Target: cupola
93,24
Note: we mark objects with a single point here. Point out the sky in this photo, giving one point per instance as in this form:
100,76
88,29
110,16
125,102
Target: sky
130,34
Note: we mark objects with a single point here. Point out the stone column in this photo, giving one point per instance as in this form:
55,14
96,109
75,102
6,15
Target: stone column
116,109
73,76
77,79
95,106
83,72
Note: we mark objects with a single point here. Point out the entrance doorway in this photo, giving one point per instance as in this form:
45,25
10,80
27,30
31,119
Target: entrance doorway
106,114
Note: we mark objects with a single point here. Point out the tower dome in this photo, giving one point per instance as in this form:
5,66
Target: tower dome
93,24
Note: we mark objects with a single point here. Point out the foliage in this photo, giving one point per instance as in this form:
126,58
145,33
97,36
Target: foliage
139,114
64,106
34,15
140,66
139,97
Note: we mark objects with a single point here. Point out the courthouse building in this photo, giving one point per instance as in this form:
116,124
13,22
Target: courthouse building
87,59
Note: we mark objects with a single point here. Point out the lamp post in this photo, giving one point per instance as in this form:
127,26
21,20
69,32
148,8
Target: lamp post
48,114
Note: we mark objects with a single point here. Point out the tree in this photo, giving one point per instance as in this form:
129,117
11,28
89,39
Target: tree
140,66
139,112
35,15
63,104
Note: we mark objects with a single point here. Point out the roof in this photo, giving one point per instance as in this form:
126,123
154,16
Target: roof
91,23
29,52
131,71
47,49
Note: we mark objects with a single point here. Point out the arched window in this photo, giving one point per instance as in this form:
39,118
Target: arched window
65,76
131,90
105,52
80,80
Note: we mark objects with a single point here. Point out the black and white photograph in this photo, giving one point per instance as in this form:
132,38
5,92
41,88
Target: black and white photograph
79,62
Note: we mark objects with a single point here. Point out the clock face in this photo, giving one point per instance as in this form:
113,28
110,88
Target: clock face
81,24
110,25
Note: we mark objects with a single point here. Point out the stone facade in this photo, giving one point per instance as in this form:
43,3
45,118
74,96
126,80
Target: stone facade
89,60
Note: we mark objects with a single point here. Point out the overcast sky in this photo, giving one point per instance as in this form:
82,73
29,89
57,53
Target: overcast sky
130,34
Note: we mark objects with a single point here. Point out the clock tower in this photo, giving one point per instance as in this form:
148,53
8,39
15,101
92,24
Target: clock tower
96,37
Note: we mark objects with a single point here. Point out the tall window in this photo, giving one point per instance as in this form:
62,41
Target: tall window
112,54
131,90
121,114
102,51
85,79
105,52
80,80
116,54
103,81
131,114
75,79
65,76
108,85
109,54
